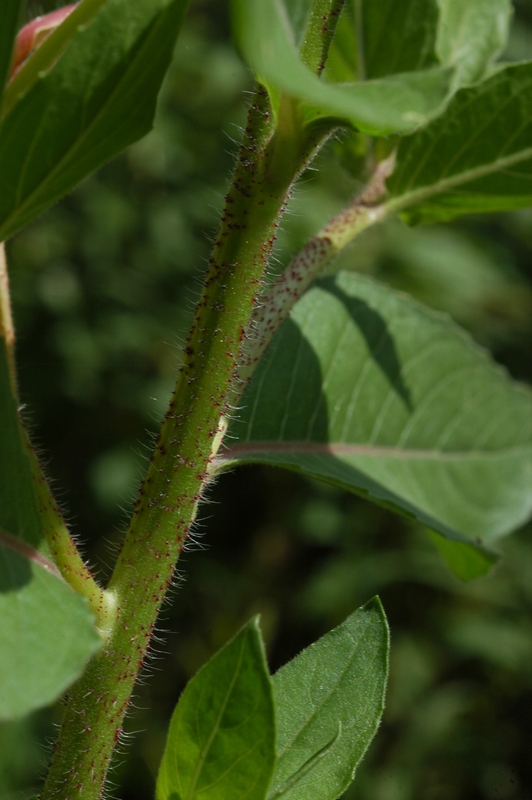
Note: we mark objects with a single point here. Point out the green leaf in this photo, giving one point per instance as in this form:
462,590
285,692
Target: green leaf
86,109
471,33
298,12
368,390
477,157
221,741
10,15
329,701
399,103
397,37
47,633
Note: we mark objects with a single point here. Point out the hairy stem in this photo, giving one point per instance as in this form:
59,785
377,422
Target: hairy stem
274,305
61,545
269,161
319,33
188,441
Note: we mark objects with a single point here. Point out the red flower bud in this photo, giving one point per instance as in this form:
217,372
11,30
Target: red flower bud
35,32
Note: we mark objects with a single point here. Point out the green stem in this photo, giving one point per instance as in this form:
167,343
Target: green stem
61,545
193,429
274,305
178,472
319,33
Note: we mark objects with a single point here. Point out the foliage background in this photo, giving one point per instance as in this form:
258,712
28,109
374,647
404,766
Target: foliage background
103,287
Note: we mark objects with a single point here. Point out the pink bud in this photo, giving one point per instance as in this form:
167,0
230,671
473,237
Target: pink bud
35,32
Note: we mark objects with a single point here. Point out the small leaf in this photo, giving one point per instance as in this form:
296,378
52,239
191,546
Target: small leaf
477,157
221,741
370,391
329,701
86,108
399,103
47,633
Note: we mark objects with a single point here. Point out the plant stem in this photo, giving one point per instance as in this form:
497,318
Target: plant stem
319,33
61,545
274,305
178,472
269,161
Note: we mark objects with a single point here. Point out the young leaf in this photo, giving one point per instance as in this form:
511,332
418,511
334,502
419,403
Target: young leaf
396,104
471,33
86,109
47,633
368,390
329,701
477,157
10,14
221,741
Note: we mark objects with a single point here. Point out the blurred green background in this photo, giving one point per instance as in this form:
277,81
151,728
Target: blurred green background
103,289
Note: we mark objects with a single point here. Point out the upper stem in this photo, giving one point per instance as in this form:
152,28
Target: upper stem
276,302
190,435
178,471
319,33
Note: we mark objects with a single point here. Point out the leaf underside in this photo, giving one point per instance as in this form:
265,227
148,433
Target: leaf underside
477,157
368,390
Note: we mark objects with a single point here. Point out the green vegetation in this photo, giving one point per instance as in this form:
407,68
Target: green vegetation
367,388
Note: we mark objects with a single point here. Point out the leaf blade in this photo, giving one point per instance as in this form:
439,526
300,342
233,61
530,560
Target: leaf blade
86,109
399,103
40,614
471,35
221,740
476,158
392,401
331,698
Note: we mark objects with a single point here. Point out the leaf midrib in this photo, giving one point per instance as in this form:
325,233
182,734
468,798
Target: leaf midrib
244,449
415,196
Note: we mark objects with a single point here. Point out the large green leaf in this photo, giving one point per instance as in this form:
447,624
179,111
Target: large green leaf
96,100
221,741
368,390
47,633
399,103
476,157
329,701
10,14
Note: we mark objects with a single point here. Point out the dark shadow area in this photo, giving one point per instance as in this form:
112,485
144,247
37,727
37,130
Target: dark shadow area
15,570
374,329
